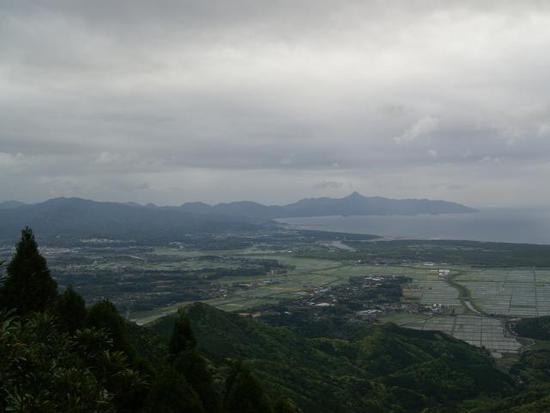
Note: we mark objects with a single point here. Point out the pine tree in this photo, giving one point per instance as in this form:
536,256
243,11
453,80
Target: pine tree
70,309
28,286
189,363
195,369
170,393
104,315
182,336
243,393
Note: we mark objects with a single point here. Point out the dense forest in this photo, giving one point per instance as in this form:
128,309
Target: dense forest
58,355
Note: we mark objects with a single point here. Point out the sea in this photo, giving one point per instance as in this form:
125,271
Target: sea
530,226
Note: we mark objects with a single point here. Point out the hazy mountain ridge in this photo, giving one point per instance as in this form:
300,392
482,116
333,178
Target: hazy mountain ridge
354,204
80,218
73,218
10,204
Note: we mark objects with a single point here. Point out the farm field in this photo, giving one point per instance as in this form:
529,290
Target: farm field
428,288
306,275
514,292
149,282
499,294
478,331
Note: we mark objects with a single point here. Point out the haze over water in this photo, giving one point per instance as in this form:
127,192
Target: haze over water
498,225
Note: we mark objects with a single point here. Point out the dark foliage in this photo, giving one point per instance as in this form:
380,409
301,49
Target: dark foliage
104,315
285,405
70,309
170,393
182,339
244,394
537,327
197,372
28,286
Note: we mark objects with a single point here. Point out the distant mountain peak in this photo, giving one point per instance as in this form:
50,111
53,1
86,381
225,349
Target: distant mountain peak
354,195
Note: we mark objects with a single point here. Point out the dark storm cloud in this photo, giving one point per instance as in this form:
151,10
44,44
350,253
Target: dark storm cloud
169,101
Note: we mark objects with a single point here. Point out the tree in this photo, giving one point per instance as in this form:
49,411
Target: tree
104,315
113,367
70,309
243,393
188,362
28,286
182,336
170,393
194,367
41,372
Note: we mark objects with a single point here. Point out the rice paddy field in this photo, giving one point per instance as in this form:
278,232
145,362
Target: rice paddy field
475,302
478,331
514,292
499,294
481,300
306,275
428,288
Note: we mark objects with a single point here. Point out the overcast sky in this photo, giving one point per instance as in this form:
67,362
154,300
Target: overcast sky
273,101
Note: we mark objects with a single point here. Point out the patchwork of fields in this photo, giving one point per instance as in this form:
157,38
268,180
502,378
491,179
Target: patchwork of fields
516,292
497,293
474,302
479,331
427,288
474,305
489,297
305,275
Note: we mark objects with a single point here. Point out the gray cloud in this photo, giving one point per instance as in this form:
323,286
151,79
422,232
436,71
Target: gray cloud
329,185
171,101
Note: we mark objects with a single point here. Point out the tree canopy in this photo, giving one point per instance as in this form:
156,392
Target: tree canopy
28,286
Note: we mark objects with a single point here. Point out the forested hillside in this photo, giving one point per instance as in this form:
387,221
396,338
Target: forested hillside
387,369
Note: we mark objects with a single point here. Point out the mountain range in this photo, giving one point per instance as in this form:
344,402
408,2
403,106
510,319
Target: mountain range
354,204
80,218
74,218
